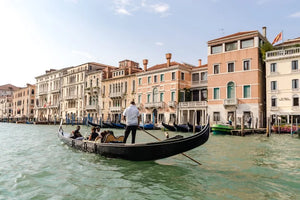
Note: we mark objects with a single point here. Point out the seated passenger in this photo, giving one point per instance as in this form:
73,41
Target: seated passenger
93,135
76,134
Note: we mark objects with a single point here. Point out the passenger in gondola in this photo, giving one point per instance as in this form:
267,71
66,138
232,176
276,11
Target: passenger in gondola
76,134
93,135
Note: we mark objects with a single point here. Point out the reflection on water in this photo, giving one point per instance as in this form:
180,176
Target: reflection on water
36,165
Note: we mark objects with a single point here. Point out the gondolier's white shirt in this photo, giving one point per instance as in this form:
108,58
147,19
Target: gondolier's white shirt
131,113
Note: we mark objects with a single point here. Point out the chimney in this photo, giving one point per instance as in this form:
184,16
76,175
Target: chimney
199,62
145,63
264,31
168,57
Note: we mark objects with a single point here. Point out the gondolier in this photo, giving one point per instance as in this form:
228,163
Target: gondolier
132,117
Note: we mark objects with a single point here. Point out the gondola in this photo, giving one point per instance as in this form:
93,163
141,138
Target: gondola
181,127
108,124
169,127
197,128
139,152
148,127
118,125
98,125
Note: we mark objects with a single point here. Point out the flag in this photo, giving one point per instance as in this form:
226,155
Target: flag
277,38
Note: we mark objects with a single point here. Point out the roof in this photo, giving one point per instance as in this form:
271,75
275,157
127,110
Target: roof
289,42
235,35
164,65
9,87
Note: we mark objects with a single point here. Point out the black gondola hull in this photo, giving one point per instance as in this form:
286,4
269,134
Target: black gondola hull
140,152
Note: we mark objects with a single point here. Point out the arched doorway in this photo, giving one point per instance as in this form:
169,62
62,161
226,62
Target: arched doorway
154,116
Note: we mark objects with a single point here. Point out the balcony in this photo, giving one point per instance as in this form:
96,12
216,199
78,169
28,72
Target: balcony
54,105
70,97
172,104
192,104
283,53
91,107
199,83
154,105
115,109
116,95
43,92
55,91
230,102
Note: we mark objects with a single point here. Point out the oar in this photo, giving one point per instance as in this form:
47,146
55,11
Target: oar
181,153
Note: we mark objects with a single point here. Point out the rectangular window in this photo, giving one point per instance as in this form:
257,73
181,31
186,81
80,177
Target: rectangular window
273,85
162,78
216,93
230,67
295,84
195,77
148,98
173,76
140,81
195,95
247,91
182,76
246,65
273,67
274,102
203,76
161,97
216,116
203,94
155,78
231,46
181,97
247,43
161,117
295,101
216,69
172,96
295,65
133,85
139,98
149,79
216,49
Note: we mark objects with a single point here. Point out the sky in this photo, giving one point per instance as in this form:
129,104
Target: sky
38,35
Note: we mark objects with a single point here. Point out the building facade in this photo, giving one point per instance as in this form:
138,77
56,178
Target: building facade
119,88
282,80
236,78
23,103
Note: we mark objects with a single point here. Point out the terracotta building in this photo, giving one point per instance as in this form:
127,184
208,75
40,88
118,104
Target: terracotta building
23,103
118,89
236,78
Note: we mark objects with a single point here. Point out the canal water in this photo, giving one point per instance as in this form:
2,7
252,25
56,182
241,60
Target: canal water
34,164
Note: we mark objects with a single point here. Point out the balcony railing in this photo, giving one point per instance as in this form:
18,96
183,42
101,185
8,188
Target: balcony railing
192,104
91,107
154,105
116,95
172,104
283,53
199,83
230,102
55,91
54,105
115,109
71,97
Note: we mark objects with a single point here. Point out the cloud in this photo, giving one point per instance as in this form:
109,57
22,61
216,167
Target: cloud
159,43
123,11
160,8
295,15
82,54
128,7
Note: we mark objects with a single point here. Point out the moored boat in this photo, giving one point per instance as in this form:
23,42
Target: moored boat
139,152
197,128
181,127
169,127
98,125
221,129
118,125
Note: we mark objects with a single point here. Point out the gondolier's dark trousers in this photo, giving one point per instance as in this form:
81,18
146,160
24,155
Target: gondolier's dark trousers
133,133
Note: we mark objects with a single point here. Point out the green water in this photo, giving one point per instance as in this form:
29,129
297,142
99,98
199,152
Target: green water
34,164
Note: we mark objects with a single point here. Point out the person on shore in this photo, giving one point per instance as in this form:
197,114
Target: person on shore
132,117
230,120
93,135
249,121
76,133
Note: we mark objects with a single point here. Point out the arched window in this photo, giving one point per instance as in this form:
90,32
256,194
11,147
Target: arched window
295,100
155,95
230,90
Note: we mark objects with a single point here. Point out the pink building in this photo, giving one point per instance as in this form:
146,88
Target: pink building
236,78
